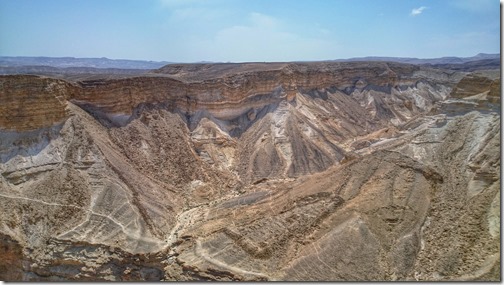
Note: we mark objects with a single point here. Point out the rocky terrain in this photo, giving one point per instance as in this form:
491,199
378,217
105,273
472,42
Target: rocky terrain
332,171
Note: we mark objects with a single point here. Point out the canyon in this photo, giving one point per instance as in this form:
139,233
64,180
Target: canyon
301,171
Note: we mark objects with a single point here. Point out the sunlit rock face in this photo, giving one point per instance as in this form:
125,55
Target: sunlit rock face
283,171
32,102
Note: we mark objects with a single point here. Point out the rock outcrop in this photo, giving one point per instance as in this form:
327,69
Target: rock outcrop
474,84
32,102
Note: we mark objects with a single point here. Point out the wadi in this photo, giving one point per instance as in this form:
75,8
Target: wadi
363,170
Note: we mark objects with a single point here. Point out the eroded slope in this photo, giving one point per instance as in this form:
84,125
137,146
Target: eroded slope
316,171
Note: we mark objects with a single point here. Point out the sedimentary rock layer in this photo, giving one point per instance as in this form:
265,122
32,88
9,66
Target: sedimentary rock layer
32,102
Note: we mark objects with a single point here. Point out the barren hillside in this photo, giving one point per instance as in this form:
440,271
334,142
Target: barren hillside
334,171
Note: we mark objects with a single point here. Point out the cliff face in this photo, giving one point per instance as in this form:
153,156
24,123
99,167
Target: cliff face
251,172
267,117
32,102
472,85
228,94
39,102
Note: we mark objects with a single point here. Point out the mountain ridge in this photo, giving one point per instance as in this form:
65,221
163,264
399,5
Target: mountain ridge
103,62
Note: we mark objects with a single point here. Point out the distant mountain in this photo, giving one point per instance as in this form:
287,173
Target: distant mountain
469,66
413,60
73,73
70,66
64,62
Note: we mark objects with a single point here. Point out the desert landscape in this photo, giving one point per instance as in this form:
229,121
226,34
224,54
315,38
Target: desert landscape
373,169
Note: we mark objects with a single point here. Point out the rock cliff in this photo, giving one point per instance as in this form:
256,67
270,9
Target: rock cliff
32,102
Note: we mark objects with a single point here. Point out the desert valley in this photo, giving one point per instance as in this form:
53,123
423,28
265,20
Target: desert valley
371,169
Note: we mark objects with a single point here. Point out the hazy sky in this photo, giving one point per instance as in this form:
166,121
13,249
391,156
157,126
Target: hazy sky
248,30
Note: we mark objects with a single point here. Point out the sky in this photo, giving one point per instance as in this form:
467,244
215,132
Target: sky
248,30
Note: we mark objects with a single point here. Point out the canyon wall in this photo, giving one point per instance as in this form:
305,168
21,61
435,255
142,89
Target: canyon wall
39,101
33,102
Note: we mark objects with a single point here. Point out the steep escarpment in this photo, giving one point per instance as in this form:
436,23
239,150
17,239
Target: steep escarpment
224,97
478,84
281,171
281,111
265,106
227,95
32,102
